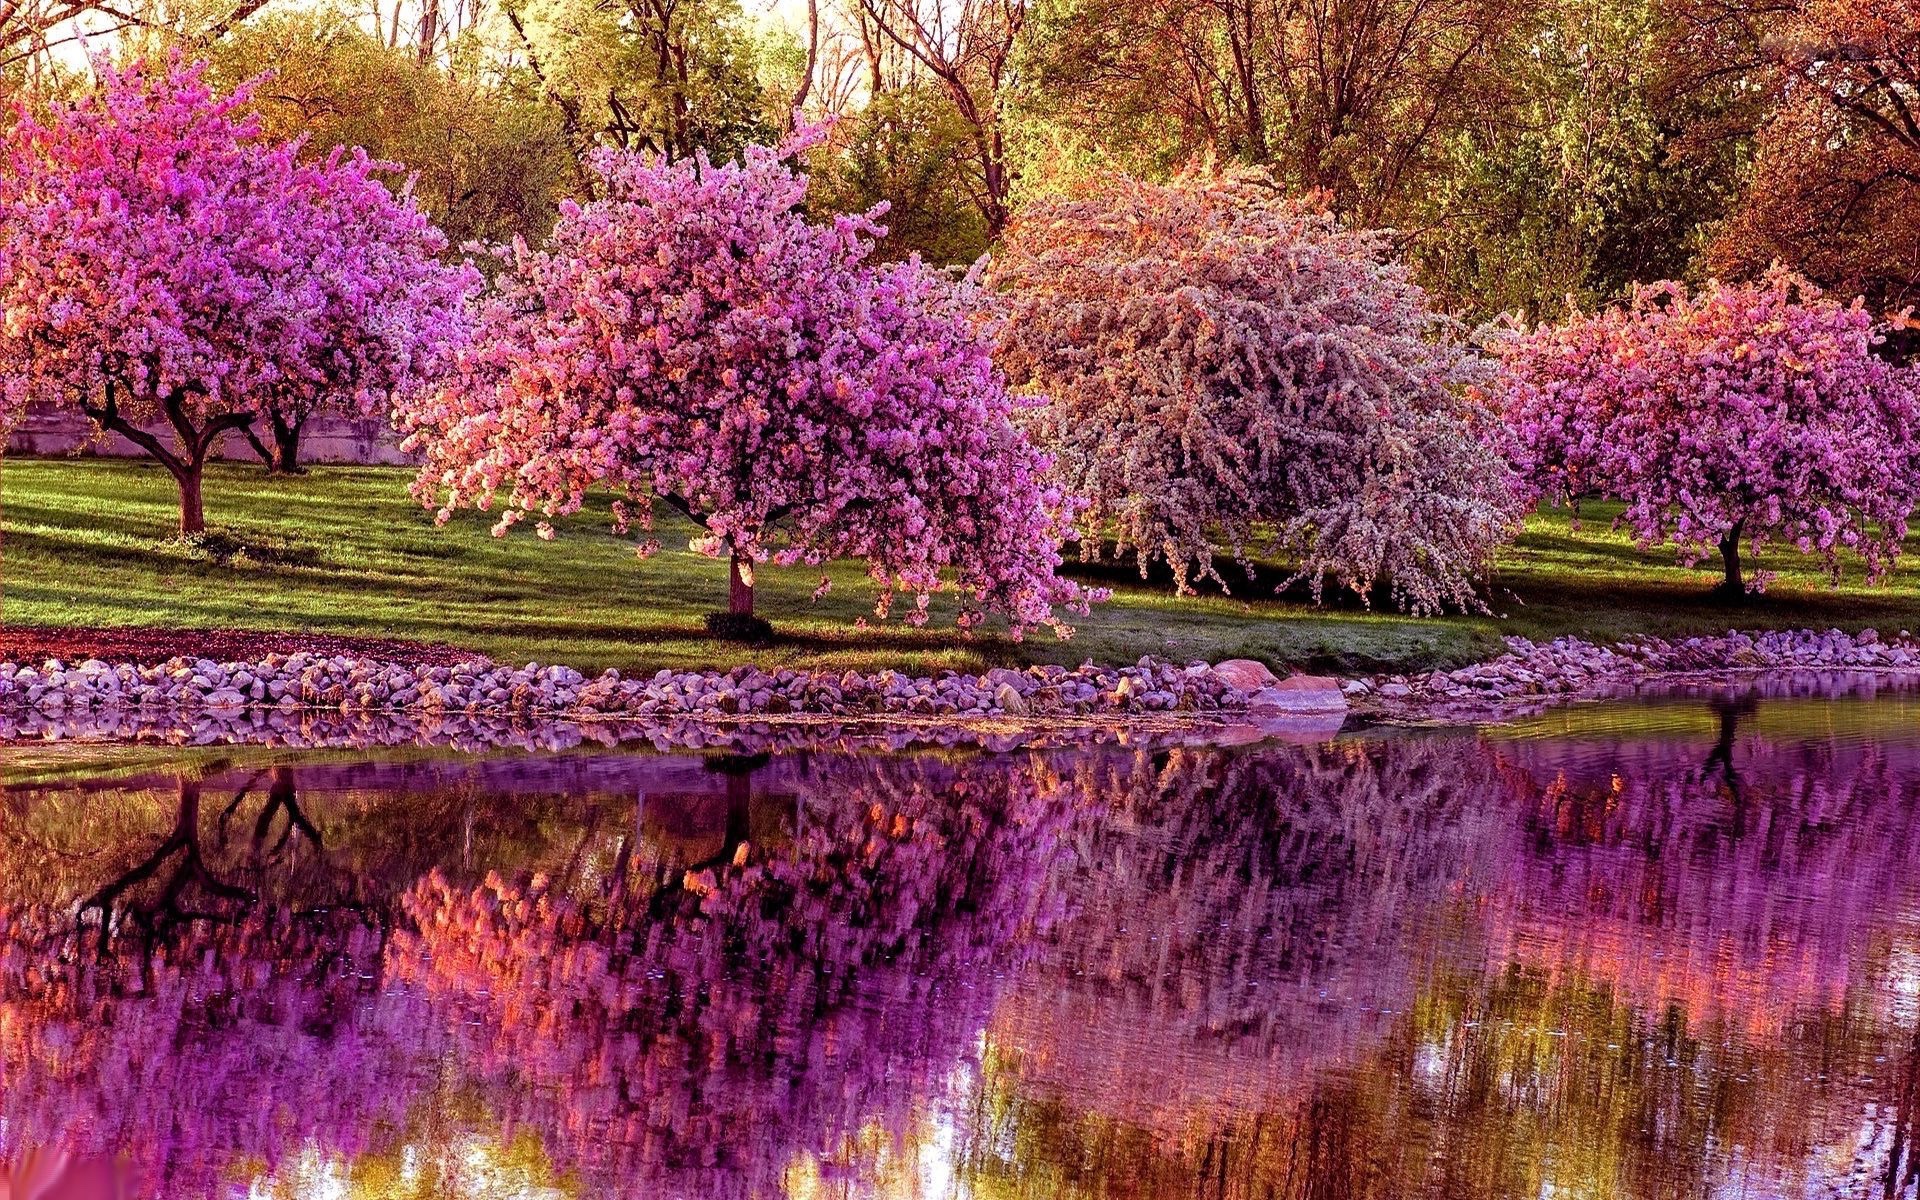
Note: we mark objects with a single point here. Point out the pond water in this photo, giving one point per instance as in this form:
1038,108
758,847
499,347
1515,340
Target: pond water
1659,948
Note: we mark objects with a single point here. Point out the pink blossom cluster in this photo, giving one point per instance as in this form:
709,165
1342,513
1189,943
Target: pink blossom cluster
1753,412
159,259
692,338
383,313
1234,374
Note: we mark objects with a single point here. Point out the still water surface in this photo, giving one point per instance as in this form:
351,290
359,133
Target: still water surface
1664,948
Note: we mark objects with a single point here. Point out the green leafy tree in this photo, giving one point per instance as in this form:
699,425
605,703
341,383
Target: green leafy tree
1589,178
490,157
666,76
909,149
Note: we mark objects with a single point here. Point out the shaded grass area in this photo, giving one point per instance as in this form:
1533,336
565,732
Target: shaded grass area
344,551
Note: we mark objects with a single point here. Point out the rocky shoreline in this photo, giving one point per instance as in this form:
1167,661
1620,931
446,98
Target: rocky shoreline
352,684
37,700
1531,675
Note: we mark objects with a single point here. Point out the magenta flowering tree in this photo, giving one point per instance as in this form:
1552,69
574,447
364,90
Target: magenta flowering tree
1233,374
694,339
383,312
1751,413
162,263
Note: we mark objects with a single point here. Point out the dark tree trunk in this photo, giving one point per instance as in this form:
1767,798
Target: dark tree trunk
186,464
193,517
261,448
1733,586
739,591
286,445
283,457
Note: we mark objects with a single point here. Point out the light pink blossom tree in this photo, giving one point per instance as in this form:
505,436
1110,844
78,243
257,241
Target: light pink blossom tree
161,262
694,339
1234,374
1748,413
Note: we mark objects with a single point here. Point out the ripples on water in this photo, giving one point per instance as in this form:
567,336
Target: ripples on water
1667,948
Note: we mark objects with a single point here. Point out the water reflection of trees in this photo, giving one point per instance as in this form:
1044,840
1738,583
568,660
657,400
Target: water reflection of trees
1425,965
639,1005
1617,971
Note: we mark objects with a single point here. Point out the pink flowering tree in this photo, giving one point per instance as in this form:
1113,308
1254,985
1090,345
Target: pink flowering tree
693,339
384,312
1737,414
1233,374
163,264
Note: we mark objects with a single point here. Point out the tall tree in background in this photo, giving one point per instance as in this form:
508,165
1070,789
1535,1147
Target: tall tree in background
910,149
669,77
1835,187
1584,172
34,27
967,48
1350,98
490,156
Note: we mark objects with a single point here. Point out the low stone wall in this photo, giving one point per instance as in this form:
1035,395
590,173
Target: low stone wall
327,439
350,684
1531,675
195,699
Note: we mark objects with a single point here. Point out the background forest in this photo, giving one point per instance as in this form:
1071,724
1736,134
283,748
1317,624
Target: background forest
1520,151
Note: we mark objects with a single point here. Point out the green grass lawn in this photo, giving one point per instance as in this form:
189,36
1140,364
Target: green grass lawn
345,551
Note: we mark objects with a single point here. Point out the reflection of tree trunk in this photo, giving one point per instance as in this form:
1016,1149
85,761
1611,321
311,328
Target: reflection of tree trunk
739,771
738,832
1720,758
739,812
184,842
281,798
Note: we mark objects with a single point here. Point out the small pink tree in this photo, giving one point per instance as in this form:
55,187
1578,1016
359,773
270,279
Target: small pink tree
383,312
1234,374
693,339
1754,412
160,262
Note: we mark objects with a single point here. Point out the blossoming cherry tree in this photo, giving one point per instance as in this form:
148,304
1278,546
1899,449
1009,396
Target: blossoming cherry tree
1740,413
1233,374
160,262
694,339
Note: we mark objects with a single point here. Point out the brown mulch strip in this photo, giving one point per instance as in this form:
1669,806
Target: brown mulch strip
146,645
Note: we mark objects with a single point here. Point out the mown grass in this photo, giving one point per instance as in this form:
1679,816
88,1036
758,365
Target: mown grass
344,551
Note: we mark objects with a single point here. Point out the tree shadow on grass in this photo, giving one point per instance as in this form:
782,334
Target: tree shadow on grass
1267,583
1538,544
1691,604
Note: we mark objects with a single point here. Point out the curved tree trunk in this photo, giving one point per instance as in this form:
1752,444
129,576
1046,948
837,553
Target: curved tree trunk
283,457
188,463
739,590
1733,585
261,448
